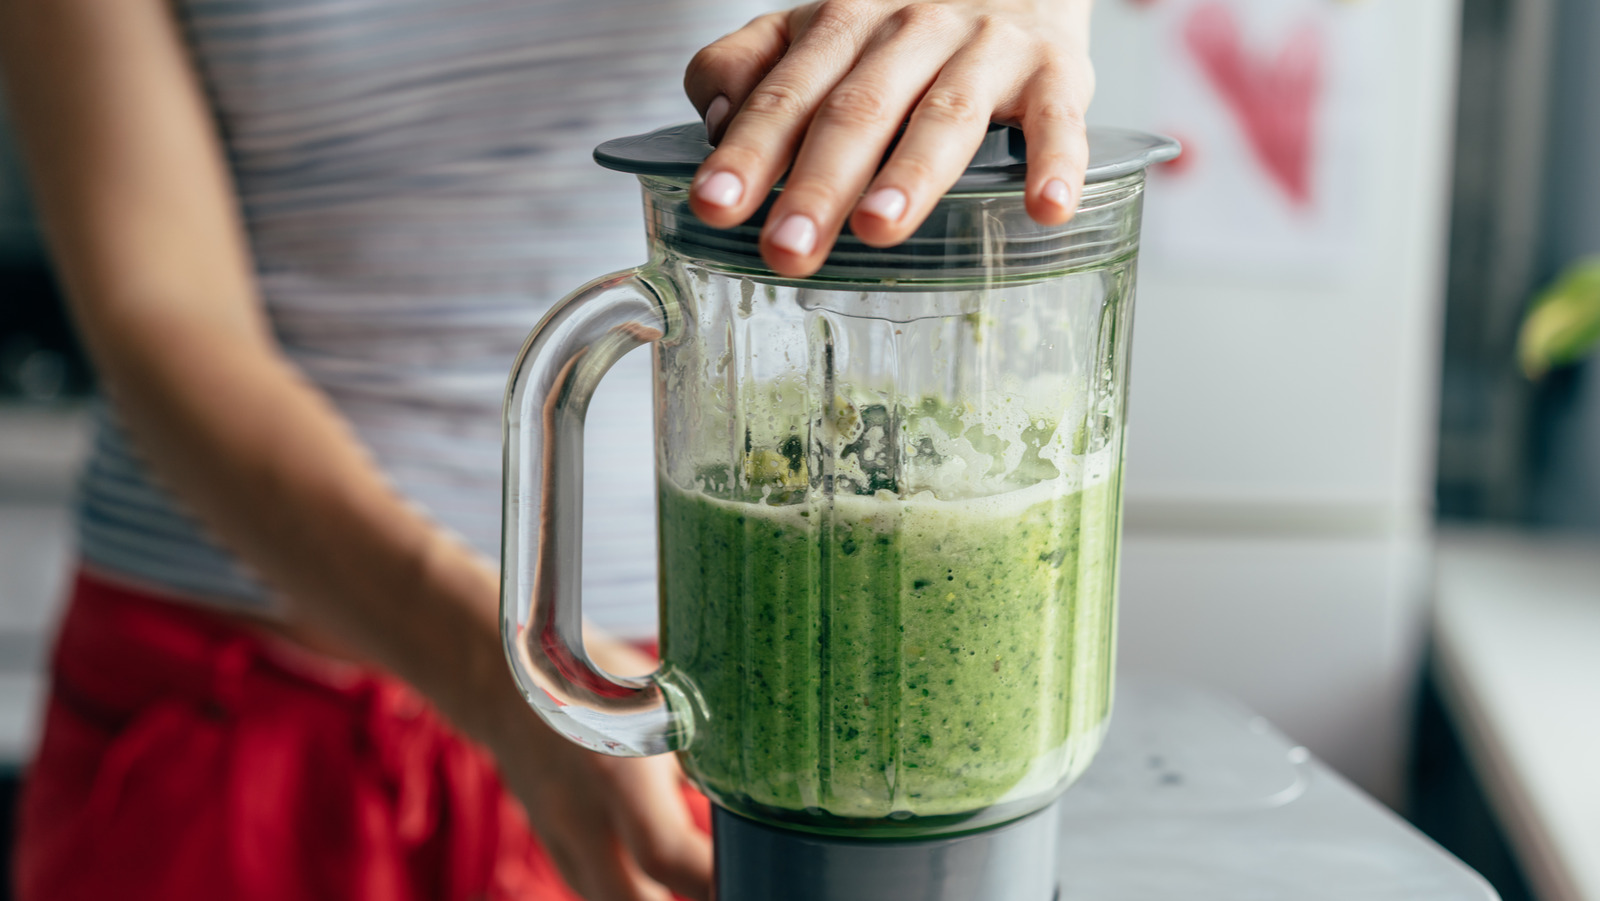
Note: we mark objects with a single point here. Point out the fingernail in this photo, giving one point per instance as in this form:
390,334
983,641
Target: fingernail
888,204
720,189
715,113
1055,191
796,234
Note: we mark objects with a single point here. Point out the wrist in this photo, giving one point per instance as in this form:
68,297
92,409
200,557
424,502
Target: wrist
450,649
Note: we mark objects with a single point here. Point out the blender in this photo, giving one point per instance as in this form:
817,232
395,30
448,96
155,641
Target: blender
889,501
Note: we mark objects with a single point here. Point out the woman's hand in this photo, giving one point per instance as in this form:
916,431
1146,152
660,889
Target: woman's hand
617,828
827,85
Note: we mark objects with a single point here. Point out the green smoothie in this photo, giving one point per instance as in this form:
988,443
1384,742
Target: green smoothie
873,660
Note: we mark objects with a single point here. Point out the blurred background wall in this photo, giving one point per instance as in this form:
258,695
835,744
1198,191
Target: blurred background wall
1282,422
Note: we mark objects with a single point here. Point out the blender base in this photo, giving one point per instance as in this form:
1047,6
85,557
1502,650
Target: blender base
1014,862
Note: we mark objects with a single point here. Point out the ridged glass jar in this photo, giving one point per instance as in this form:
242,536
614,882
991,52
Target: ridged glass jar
889,500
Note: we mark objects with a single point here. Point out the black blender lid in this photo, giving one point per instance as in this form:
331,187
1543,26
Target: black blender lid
1000,163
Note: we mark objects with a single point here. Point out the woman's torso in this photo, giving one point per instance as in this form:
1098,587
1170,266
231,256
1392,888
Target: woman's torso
416,183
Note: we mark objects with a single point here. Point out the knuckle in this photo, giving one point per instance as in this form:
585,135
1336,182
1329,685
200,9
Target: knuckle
912,169
1065,79
766,20
737,157
854,105
1001,31
774,99
1053,113
947,106
838,15
725,64
817,198
923,16
1052,70
1056,67
713,59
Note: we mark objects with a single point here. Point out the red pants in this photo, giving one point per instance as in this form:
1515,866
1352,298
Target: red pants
187,758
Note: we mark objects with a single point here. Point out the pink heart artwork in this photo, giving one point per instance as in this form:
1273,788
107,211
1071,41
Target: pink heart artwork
1274,99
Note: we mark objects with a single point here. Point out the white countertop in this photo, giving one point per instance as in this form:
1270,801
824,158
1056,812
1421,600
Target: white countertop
1194,796
1518,643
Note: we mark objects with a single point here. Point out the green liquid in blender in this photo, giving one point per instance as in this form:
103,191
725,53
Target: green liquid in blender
870,664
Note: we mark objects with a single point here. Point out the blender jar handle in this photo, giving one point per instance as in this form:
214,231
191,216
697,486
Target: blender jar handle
541,607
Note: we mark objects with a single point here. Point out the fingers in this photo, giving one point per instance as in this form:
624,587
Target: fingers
945,130
1058,143
592,858
660,834
622,832
950,122
846,74
851,129
616,829
721,75
762,138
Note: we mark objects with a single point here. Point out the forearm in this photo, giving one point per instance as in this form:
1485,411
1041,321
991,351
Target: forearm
135,197
263,458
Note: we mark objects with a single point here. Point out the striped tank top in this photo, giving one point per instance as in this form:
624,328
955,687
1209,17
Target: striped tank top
416,183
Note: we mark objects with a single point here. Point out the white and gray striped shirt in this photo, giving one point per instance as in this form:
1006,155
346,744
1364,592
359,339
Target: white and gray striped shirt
416,181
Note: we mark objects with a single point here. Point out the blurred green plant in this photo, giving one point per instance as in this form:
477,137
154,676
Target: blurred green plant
1564,322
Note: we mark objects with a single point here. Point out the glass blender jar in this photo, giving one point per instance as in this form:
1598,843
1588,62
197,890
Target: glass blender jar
889,503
